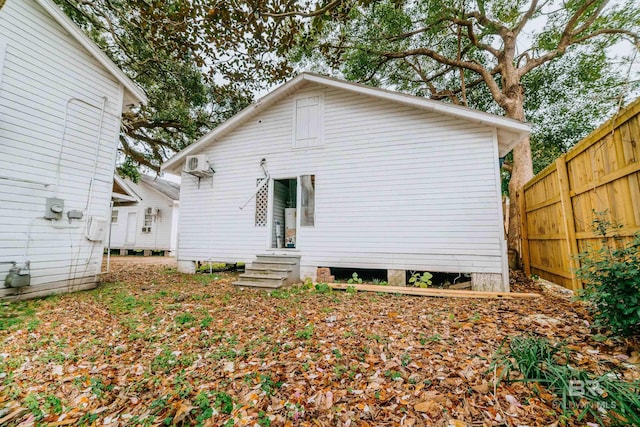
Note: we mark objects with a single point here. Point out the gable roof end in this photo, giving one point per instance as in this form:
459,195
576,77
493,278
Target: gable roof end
133,94
510,132
128,196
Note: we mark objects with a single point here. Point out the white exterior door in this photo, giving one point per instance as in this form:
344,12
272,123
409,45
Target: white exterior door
132,220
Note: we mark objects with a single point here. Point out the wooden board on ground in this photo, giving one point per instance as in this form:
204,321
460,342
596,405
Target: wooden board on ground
427,292
464,286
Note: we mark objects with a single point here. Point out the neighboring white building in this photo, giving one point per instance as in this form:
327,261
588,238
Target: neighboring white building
61,100
144,215
378,180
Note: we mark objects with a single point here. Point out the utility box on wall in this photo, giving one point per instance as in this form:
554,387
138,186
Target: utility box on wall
96,228
53,208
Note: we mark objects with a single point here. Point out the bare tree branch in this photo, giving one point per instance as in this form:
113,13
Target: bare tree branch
473,66
525,18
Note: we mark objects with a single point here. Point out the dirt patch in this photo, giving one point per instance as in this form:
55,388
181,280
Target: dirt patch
151,346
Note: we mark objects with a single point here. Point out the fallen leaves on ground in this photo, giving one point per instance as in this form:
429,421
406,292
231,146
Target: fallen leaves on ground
155,347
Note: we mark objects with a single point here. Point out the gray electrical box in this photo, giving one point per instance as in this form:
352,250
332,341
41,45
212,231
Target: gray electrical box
74,215
54,208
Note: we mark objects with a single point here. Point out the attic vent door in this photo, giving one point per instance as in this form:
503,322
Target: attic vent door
262,203
308,122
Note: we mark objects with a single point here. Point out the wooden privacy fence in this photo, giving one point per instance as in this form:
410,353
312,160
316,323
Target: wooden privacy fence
601,173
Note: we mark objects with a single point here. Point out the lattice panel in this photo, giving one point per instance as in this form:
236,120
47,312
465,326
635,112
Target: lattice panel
262,202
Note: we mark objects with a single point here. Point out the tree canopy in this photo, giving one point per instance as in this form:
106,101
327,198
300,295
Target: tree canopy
195,73
456,50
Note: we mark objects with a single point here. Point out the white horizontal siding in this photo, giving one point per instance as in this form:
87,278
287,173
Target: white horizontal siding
160,236
43,69
396,187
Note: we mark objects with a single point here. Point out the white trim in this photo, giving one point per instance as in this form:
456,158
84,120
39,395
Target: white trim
511,131
123,184
117,197
298,211
503,243
270,193
134,94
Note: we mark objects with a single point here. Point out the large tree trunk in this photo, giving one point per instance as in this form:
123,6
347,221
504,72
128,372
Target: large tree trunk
522,172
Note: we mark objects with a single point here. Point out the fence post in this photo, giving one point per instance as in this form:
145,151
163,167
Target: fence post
568,219
524,233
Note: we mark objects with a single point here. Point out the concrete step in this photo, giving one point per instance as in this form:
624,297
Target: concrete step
278,268
263,281
259,285
273,265
263,276
278,259
271,270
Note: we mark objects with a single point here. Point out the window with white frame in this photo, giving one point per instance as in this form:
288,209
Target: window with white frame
308,121
114,216
148,222
308,200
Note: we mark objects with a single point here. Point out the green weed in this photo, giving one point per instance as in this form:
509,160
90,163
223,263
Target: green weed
580,393
185,319
354,280
305,333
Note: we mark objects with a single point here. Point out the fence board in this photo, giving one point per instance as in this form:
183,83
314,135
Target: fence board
602,172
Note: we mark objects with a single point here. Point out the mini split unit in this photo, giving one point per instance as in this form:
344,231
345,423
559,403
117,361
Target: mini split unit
198,166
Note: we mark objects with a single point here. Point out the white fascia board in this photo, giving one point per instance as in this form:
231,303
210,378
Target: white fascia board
133,93
127,188
122,197
510,131
174,164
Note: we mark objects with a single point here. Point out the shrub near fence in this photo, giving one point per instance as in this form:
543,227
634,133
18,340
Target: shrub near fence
601,173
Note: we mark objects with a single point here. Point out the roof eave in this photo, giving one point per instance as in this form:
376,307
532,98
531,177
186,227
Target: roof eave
173,165
521,129
127,188
508,139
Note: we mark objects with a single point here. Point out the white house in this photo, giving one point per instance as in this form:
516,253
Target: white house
144,215
372,178
61,100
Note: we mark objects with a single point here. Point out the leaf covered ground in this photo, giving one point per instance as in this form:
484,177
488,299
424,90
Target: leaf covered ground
151,346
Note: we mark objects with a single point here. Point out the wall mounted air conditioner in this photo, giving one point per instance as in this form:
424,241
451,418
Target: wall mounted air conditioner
198,166
152,211
96,228
146,229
